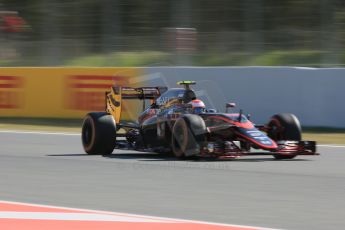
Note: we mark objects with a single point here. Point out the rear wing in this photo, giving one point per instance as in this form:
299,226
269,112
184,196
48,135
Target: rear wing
117,93
140,93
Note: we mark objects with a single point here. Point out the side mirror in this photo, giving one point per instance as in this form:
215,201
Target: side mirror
229,105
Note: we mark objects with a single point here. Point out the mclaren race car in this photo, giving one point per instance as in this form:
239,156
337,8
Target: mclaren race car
177,122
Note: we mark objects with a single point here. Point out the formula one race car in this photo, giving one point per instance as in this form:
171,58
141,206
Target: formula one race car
176,121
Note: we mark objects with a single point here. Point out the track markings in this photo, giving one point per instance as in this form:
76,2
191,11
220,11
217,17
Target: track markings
39,132
24,216
78,134
332,146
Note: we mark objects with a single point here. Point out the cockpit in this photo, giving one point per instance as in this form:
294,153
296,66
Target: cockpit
175,96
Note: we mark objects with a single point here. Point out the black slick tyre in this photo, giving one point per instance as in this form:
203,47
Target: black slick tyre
284,126
98,133
188,133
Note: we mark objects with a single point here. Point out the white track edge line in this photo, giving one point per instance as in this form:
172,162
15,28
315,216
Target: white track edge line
135,215
39,132
78,134
332,146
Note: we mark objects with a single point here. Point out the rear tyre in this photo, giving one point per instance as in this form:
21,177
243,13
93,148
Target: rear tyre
98,133
284,126
187,136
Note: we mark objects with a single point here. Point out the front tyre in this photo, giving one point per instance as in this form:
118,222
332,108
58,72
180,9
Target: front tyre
284,126
98,133
187,136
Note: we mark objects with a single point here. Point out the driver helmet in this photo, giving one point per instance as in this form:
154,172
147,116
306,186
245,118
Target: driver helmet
198,106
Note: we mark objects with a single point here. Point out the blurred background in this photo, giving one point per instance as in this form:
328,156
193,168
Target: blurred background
172,32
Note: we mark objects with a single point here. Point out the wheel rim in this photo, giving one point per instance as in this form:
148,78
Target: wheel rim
276,133
275,130
180,139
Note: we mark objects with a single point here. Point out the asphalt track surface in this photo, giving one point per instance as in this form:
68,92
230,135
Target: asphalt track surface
51,169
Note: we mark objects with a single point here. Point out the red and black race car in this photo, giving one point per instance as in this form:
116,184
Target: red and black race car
176,121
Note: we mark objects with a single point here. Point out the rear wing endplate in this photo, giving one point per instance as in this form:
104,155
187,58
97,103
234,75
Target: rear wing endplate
117,93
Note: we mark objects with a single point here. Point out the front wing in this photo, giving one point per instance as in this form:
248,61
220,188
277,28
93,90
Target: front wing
285,148
296,148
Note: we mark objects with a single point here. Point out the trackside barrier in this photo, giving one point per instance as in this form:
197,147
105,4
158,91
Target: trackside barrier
316,96
60,92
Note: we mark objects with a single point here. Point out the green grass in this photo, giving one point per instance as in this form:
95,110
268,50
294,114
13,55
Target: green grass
321,135
325,135
288,58
311,58
291,57
123,59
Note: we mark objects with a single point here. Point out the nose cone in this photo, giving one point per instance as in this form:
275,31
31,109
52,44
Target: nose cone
259,138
